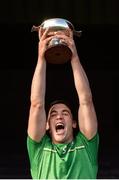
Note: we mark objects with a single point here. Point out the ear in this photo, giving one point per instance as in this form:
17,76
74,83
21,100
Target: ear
74,124
47,125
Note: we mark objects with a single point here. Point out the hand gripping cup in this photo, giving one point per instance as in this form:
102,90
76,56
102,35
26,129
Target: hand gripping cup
57,51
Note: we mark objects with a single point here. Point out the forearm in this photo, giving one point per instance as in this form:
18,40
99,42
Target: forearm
39,84
81,81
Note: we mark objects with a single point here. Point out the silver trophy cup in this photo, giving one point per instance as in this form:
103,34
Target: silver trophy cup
57,51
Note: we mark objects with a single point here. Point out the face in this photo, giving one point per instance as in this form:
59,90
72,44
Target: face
61,124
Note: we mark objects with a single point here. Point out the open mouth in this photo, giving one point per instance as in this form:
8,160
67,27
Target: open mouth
59,127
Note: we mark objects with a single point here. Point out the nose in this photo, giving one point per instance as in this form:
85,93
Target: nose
59,116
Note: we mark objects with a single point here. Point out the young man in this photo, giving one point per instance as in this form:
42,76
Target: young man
60,155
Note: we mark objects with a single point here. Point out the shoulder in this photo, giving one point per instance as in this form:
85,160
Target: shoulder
45,140
80,138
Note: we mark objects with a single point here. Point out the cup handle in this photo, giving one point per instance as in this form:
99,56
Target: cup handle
35,28
77,33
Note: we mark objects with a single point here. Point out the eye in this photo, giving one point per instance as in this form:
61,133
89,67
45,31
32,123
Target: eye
53,114
65,113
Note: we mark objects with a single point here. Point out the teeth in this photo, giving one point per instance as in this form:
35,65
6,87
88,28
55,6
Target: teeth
60,124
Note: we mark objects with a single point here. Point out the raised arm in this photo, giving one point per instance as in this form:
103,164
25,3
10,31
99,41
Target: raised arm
86,115
37,115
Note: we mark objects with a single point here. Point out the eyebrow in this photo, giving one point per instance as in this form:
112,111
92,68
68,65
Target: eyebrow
66,110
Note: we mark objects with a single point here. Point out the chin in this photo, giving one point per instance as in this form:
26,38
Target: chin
59,140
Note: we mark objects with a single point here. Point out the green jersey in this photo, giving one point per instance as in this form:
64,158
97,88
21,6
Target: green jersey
76,160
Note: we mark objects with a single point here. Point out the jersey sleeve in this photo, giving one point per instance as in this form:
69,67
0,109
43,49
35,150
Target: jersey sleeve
35,148
91,146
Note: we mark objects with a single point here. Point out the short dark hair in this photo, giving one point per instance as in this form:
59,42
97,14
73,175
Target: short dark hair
60,101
